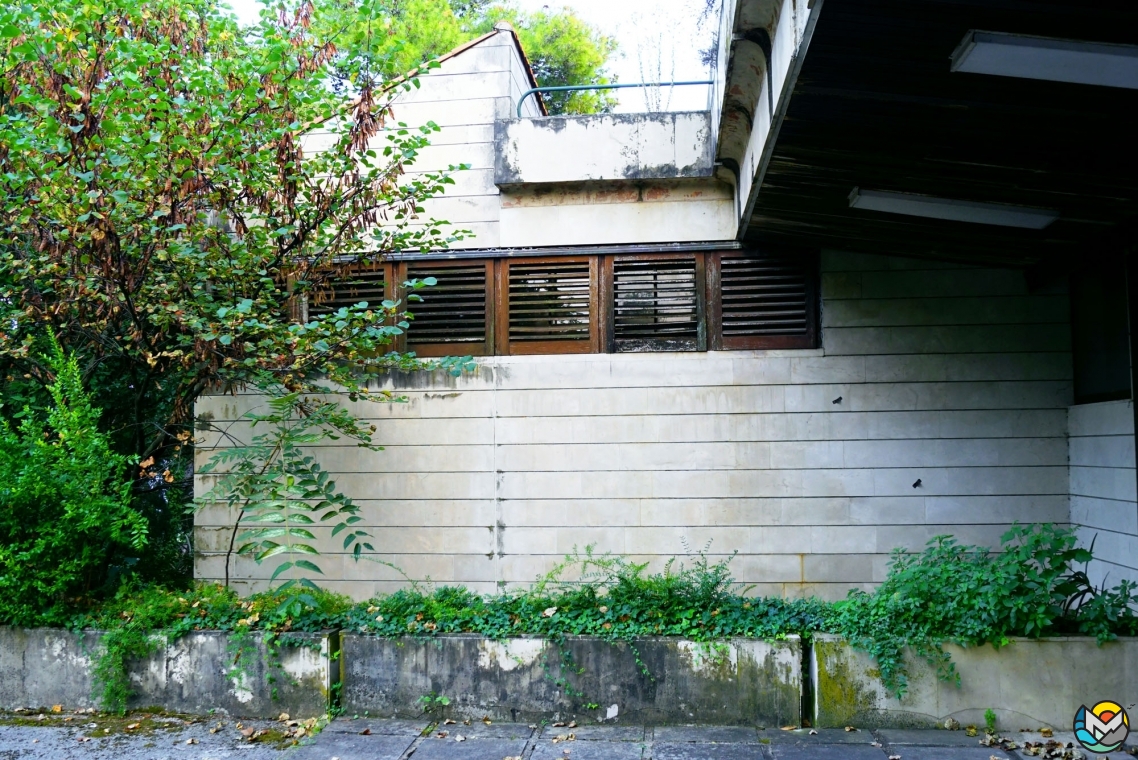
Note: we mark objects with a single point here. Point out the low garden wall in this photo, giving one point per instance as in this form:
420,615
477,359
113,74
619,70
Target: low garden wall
648,680
1028,683
197,673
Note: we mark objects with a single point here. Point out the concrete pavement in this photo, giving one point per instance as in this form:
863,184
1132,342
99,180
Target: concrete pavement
377,739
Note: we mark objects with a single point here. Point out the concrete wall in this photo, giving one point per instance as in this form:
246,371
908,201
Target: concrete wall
640,178
603,147
653,680
1103,504
1028,683
198,673
957,377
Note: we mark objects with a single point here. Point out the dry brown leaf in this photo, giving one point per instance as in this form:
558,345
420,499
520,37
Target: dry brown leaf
1046,732
365,732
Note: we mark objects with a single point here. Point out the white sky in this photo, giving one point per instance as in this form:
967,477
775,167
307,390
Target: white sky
657,33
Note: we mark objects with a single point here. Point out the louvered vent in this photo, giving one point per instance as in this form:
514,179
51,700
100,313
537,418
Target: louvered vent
655,304
549,301
764,296
454,309
355,287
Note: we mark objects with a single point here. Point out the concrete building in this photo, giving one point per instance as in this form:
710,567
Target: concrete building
853,305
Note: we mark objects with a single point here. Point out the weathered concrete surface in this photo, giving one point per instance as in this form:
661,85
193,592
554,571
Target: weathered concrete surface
1029,682
197,673
736,682
604,147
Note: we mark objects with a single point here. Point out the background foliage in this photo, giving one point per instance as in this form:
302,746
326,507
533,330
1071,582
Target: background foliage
398,35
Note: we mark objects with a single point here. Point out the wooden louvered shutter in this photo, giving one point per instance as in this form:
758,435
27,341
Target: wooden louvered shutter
548,306
455,316
767,301
352,288
657,304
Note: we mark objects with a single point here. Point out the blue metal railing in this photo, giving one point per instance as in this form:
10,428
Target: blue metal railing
575,87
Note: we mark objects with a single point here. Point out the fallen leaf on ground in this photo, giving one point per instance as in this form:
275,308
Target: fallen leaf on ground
460,738
191,740
283,718
84,738
1047,732
572,724
132,726
448,722
850,728
442,734
57,708
789,728
365,732
246,732
557,725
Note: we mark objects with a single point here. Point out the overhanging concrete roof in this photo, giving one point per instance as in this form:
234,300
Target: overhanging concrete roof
861,95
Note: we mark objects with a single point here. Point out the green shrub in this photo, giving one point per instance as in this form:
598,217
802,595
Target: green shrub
64,503
971,595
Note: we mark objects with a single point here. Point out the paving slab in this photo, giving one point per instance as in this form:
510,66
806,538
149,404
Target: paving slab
707,734
353,747
817,736
1066,737
392,727
898,737
601,733
790,751
472,749
479,730
586,750
949,753
699,751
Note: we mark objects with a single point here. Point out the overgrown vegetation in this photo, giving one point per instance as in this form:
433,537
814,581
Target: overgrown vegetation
65,513
971,595
946,593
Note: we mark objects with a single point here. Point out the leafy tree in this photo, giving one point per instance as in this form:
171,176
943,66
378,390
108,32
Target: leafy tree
161,215
401,34
159,212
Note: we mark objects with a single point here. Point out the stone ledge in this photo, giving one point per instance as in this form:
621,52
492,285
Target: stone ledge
197,673
1028,683
741,681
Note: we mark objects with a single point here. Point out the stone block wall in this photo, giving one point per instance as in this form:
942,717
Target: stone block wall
938,403
1103,487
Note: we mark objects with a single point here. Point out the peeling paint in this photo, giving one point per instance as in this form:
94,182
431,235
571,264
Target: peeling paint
711,658
510,654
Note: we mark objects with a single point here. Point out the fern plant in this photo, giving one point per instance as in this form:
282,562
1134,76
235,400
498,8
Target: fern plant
280,494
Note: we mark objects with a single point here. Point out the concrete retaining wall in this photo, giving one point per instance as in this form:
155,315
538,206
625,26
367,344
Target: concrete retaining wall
737,682
1028,683
199,672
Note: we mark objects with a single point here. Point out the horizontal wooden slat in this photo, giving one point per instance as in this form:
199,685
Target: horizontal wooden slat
454,309
549,301
655,304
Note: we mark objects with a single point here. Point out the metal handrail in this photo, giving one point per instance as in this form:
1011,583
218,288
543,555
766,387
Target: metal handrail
572,87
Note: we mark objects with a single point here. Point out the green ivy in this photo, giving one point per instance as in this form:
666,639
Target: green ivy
971,595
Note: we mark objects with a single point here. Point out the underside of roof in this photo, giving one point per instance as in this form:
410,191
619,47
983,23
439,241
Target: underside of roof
875,106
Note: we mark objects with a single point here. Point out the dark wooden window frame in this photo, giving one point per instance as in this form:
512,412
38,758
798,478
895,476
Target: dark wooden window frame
602,338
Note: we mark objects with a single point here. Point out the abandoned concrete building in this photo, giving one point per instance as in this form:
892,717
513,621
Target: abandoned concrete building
875,292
